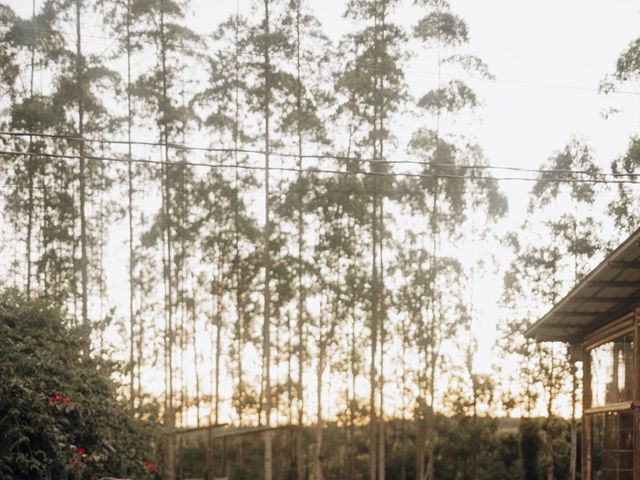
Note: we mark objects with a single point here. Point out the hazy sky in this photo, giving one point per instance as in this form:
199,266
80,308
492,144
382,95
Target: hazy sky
548,57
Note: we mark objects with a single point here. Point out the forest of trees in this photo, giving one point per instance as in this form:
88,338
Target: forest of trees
292,256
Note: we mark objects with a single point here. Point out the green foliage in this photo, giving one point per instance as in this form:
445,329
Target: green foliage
628,64
442,27
467,448
530,448
452,97
56,399
575,156
622,207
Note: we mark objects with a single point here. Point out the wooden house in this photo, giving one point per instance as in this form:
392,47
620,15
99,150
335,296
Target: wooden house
600,319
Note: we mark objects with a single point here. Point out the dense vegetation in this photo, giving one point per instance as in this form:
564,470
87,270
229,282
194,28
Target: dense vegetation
244,219
510,449
60,416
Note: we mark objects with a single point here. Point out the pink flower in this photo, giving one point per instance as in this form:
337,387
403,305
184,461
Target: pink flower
80,451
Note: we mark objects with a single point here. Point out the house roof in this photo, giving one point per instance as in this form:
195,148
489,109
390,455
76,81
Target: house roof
224,430
607,292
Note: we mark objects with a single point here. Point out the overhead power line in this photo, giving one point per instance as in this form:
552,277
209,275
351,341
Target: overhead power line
320,156
314,170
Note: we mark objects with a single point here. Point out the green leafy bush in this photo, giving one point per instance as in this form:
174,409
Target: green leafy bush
59,414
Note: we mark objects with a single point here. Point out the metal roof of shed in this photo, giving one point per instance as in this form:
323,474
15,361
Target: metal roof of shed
607,292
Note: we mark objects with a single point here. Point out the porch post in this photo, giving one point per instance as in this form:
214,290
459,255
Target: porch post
586,403
636,393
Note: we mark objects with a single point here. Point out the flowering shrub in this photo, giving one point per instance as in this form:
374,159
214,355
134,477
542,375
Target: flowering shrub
59,414
58,399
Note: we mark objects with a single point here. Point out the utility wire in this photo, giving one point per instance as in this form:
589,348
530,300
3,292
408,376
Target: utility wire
335,172
321,156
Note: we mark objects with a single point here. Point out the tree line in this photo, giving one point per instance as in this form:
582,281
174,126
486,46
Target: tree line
277,248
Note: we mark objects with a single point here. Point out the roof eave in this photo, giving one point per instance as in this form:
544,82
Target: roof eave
634,238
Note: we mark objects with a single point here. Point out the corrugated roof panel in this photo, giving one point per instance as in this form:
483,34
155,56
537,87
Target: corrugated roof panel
604,291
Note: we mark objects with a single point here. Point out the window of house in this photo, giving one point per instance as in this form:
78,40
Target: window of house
612,372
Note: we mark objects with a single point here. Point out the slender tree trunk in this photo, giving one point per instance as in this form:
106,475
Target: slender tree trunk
30,212
196,362
211,418
236,217
132,260
44,235
421,430
574,423
31,170
573,458
84,264
352,403
381,426
549,436
218,347
181,301
170,458
381,134
373,429
268,460
301,294
403,405
319,426
300,457
217,384
375,300
430,434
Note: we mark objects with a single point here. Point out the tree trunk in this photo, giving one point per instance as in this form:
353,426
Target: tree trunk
319,426
300,471
549,436
375,298
420,448
196,362
237,271
352,403
268,460
373,428
381,426
170,462
31,161
574,424
132,320
84,266
209,448
403,406
430,433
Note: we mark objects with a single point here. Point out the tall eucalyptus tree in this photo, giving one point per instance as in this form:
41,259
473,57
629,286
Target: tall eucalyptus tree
268,45
373,82
81,91
304,128
29,45
162,90
627,72
120,20
576,233
443,198
548,261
